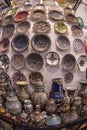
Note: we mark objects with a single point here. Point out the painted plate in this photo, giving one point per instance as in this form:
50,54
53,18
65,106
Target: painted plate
78,45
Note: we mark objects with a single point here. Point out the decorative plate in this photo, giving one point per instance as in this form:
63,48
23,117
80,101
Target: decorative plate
60,27
34,77
52,58
6,20
41,42
68,78
68,10
55,15
23,27
20,16
34,61
63,43
20,42
17,61
37,15
4,44
82,62
68,62
71,19
78,45
76,31
4,61
41,27
7,31
18,76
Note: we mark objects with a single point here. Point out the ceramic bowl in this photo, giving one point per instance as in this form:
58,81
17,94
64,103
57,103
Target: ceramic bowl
55,15
60,27
20,42
34,61
18,76
53,120
71,19
17,61
8,31
52,58
68,10
4,61
6,20
34,77
20,16
63,43
68,78
41,42
76,31
78,45
82,62
23,27
41,27
4,45
68,62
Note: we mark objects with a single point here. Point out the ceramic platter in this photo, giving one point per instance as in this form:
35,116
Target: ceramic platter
60,27
34,61
78,45
55,15
63,43
68,62
18,76
71,19
76,31
41,42
20,16
4,45
17,61
7,31
23,27
68,78
41,27
52,58
20,42
34,77
4,61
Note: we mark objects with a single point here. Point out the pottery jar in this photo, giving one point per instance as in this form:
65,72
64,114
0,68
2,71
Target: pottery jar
28,106
51,106
12,104
83,89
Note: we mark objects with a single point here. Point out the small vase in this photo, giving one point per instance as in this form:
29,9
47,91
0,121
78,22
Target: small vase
28,106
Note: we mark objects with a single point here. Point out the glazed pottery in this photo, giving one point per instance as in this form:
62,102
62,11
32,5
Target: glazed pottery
4,45
68,62
25,117
20,42
34,61
28,106
12,104
78,45
76,31
71,19
52,58
41,42
63,43
68,77
68,10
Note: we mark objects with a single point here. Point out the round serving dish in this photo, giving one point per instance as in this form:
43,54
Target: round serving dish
20,16
76,31
78,45
68,10
4,61
23,27
41,42
34,61
4,45
71,19
60,27
18,76
68,62
8,30
68,78
63,43
37,15
34,77
41,27
52,58
17,61
55,15
20,42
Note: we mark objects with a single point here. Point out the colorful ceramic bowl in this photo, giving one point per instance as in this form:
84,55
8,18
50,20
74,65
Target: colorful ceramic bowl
34,61
17,61
71,19
41,42
60,27
63,43
20,42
